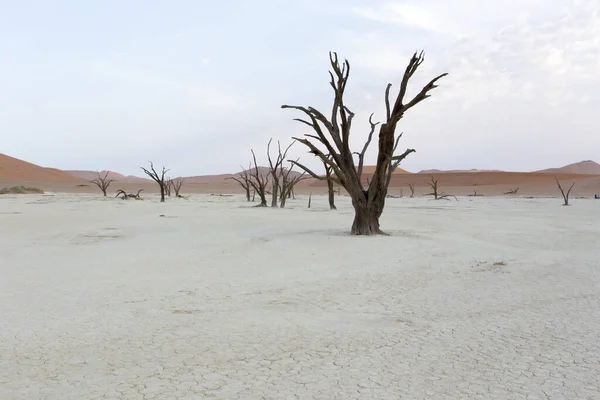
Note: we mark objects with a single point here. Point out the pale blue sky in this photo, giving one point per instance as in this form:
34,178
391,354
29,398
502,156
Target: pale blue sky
194,85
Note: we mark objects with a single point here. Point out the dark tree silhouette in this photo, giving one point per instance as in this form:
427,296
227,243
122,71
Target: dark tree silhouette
124,195
168,186
177,184
565,195
435,193
103,182
288,182
243,178
259,182
158,178
330,189
276,170
331,142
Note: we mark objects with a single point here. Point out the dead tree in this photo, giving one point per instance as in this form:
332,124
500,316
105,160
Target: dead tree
259,182
243,179
438,195
103,182
330,189
512,191
309,200
564,195
177,184
331,143
275,169
168,186
158,178
475,194
288,182
412,190
124,195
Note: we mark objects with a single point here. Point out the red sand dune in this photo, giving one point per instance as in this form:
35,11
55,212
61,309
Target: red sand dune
13,169
587,167
370,169
89,175
225,178
453,171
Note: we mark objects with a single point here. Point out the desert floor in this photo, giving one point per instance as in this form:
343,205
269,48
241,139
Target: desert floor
484,298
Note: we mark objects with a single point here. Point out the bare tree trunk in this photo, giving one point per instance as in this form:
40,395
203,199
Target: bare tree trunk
168,185
309,200
564,195
330,189
244,180
275,194
103,182
158,178
288,183
177,184
276,170
438,195
331,193
259,183
331,142
366,220
412,190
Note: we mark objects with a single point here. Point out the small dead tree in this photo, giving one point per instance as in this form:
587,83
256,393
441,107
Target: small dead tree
309,200
243,178
512,191
275,169
103,182
158,178
435,193
331,142
564,195
124,195
168,186
288,182
330,189
259,183
177,184
412,190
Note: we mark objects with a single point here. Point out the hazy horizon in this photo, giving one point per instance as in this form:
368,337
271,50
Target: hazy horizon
111,85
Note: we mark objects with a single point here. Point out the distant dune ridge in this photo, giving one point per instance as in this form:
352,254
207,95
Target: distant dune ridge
455,171
14,169
208,179
587,167
460,182
89,175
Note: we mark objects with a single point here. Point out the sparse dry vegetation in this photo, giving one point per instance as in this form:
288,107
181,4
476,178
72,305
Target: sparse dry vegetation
21,190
